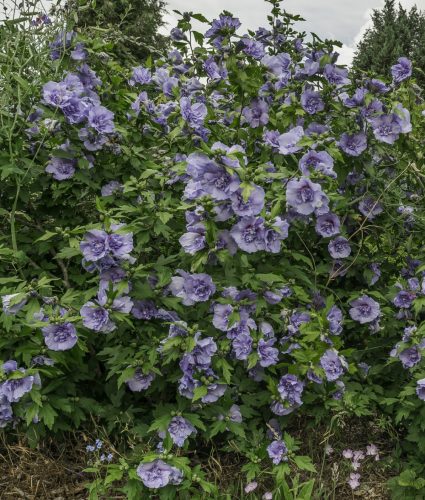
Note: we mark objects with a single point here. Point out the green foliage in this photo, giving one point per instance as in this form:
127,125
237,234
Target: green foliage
395,32
132,25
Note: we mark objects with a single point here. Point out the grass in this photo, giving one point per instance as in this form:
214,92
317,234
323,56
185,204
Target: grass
55,471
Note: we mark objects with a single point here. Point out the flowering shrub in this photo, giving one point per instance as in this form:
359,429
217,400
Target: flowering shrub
207,246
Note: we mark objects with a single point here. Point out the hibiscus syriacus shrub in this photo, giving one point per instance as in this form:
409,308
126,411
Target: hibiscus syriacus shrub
209,246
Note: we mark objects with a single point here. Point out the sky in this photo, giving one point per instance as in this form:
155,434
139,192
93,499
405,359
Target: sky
344,20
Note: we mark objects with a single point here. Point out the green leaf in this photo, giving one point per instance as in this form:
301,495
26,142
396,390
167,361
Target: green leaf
304,463
199,392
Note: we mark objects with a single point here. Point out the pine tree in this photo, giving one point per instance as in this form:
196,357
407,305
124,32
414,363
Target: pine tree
395,32
132,24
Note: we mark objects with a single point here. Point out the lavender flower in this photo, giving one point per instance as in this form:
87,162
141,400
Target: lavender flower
319,161
158,474
420,389
287,142
386,128
194,114
249,234
7,301
328,225
303,195
333,364
339,248
290,389
410,357
312,102
252,205
101,119
60,337
61,168
402,70
277,451
94,245
353,145
364,309
180,429
140,381
267,354
370,208
192,288
256,114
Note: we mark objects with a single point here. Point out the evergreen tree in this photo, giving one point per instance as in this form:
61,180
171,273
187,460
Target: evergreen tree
132,24
395,32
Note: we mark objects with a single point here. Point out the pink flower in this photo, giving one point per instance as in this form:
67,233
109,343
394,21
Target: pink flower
250,487
354,481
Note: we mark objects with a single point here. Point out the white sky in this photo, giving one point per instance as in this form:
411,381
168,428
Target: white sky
344,20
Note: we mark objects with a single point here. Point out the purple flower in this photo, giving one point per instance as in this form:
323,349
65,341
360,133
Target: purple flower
94,245
242,346
192,288
120,245
320,161
277,451
158,474
111,188
6,413
410,357
253,48
61,168
223,25
235,414
303,195
335,75
333,365
386,128
334,317
79,53
213,179
222,313
249,234
60,337
256,114
14,389
194,240
268,355
402,70
194,114
250,487
420,389
364,309
312,102
252,205
277,64
404,299
327,225
101,119
55,94
140,381
290,389
353,145
275,235
287,142
180,429
140,75
376,272
339,248
370,208
96,317
9,309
